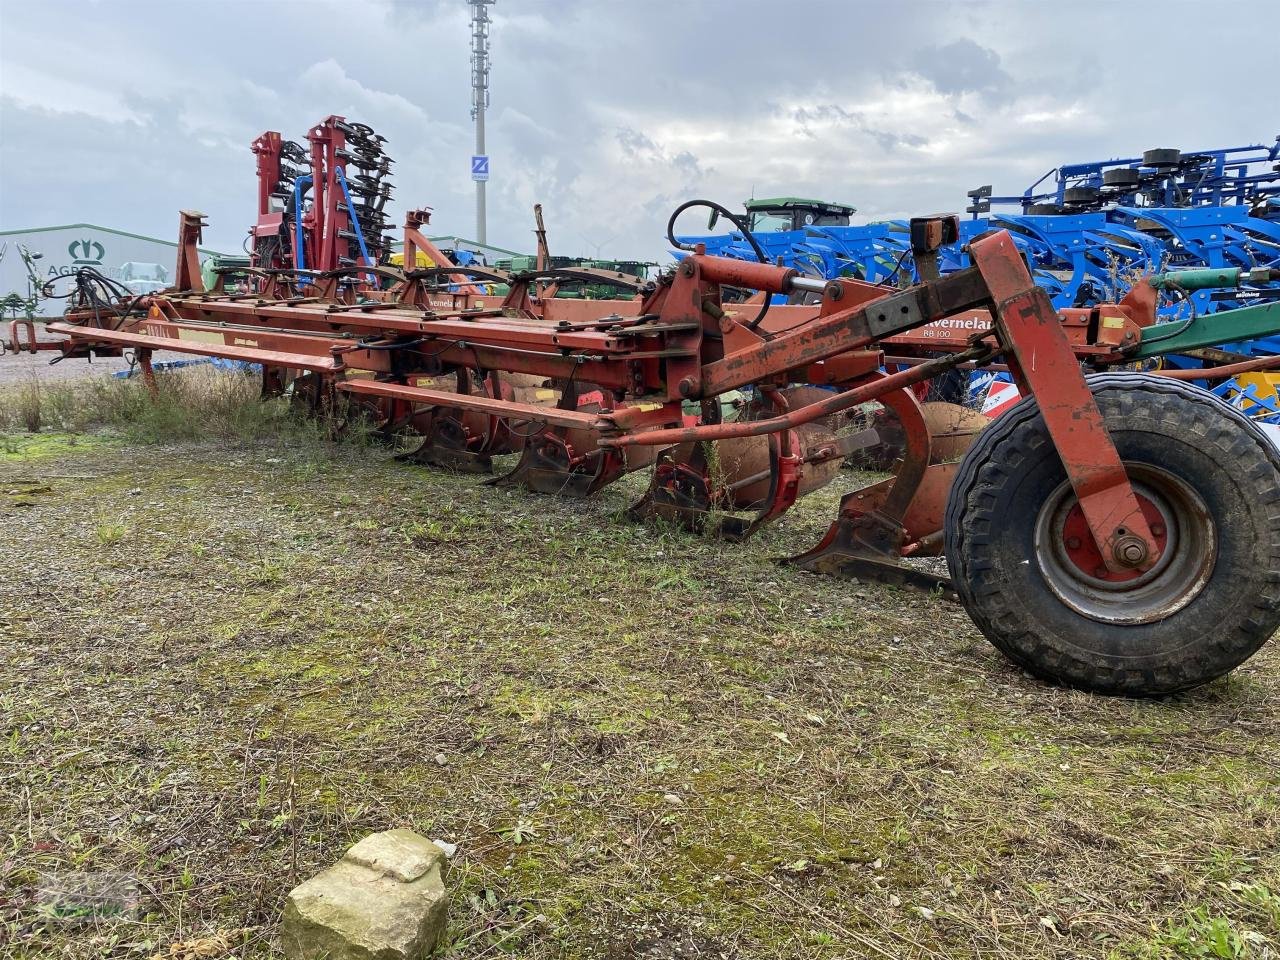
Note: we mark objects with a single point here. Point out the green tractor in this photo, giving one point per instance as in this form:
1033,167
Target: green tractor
795,213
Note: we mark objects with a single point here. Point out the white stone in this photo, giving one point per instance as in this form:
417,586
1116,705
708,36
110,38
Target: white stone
384,900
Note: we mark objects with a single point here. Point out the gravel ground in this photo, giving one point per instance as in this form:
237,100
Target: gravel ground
21,367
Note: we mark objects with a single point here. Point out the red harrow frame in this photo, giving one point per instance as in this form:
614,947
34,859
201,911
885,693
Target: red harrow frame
1120,533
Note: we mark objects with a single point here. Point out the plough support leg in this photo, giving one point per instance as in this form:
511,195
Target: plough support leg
1046,367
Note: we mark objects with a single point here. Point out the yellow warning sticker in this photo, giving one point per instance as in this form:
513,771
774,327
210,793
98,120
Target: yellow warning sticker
202,336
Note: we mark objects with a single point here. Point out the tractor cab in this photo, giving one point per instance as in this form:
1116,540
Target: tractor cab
795,213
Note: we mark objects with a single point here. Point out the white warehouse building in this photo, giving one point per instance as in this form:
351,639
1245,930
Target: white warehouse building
142,263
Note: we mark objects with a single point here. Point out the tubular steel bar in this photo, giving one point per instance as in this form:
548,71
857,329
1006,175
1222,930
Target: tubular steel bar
836,331
467,401
1226,326
1222,373
795,418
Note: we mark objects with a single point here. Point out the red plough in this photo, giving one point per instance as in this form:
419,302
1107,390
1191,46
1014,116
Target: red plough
1120,533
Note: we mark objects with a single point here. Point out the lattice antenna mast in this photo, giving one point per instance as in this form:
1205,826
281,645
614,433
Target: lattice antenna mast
480,97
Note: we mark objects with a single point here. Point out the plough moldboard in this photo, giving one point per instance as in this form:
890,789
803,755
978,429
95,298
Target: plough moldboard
1119,532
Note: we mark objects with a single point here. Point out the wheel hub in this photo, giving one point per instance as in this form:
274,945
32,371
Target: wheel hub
1149,588
1086,558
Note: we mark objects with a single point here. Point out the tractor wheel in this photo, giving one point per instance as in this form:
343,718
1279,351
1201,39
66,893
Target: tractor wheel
1027,571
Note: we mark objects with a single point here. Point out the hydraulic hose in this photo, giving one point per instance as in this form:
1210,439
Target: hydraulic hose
738,221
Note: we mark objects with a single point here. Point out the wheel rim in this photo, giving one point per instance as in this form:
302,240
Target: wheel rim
1072,566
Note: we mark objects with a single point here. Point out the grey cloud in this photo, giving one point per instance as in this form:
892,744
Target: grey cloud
418,9
889,140
827,112
832,113
635,144
962,66
608,116
638,147
687,163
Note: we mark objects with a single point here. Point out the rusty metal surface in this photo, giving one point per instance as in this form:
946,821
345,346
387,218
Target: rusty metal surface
836,403
1223,372
249,354
953,428
31,343
533,413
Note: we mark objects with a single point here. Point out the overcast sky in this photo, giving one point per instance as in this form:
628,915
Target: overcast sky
121,112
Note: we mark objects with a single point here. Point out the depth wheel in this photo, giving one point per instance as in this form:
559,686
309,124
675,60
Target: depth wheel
1027,571
1080,195
1163,158
1120,177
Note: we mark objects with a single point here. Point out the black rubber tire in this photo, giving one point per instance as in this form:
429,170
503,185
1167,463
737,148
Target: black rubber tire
1120,177
1161,158
1010,472
1079,195
1043,210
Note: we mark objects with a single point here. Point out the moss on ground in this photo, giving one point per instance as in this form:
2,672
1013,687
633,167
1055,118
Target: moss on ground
19,448
223,663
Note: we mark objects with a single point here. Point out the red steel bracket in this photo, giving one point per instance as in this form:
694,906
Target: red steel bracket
1046,368
32,344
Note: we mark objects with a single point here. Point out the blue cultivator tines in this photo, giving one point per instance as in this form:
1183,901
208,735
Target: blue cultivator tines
1086,229
1249,397
801,234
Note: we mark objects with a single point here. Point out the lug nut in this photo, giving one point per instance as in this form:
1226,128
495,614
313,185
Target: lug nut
1130,550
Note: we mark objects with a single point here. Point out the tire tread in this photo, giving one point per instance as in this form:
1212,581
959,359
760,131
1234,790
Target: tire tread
1017,438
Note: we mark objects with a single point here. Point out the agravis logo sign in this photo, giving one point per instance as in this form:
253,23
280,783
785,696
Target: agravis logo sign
86,252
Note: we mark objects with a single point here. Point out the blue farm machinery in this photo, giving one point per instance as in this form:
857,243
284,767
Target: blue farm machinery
1087,232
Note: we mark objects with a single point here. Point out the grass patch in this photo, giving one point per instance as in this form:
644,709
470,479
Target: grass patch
110,533
1247,928
224,658
194,403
